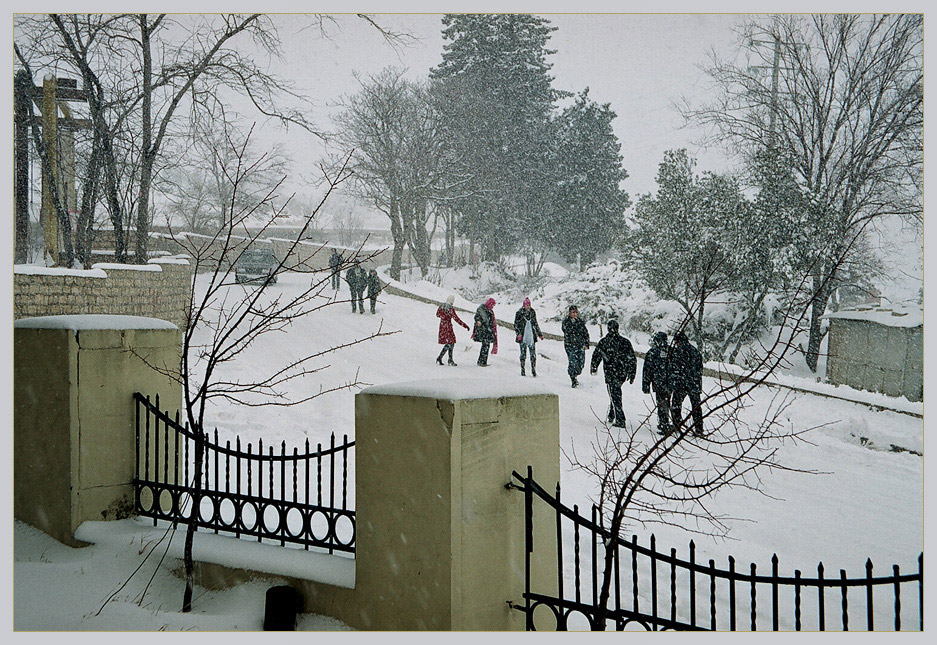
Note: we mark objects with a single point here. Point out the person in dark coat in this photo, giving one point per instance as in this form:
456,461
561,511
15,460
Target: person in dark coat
374,288
446,314
357,282
686,380
527,331
485,330
335,261
617,356
654,374
576,342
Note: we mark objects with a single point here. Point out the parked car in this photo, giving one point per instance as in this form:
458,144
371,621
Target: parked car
256,265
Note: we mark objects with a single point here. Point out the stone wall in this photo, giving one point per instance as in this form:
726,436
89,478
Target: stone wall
73,412
161,289
870,356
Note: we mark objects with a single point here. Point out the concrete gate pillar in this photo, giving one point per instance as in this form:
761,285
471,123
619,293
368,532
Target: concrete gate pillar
73,413
440,540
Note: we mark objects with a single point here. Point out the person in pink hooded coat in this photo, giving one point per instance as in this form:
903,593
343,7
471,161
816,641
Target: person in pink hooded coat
446,314
486,330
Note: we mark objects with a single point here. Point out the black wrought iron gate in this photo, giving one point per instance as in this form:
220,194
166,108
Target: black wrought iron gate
655,590
278,496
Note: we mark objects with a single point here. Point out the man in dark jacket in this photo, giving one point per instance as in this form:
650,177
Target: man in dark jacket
335,261
357,281
686,379
656,364
526,316
576,342
374,287
616,353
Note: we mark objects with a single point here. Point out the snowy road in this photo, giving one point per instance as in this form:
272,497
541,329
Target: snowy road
868,502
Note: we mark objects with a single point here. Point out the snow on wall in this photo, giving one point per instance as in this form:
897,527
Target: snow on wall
92,321
897,317
34,269
454,389
160,289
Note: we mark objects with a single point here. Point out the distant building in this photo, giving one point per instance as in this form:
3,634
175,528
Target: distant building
878,349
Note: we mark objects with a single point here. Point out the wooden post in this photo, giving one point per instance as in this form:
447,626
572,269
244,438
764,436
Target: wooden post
47,215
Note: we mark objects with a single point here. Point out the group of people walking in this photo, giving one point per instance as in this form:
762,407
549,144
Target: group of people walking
673,373
360,282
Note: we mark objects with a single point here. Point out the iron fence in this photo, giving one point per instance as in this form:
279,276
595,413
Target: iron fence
695,595
277,496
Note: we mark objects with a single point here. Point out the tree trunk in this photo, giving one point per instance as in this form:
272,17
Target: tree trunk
148,157
89,198
400,240
817,309
193,522
22,111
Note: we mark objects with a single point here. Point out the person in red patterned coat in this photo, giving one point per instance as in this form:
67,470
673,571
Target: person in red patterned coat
446,314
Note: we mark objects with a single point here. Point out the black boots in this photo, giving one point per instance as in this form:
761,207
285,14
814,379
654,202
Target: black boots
575,382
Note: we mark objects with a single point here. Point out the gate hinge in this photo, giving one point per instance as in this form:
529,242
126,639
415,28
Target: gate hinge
511,485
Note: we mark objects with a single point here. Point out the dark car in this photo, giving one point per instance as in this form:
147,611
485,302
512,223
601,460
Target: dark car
256,265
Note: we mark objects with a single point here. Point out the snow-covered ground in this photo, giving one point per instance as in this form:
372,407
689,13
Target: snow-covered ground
865,501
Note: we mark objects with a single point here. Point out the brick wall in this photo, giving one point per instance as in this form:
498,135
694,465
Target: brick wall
162,293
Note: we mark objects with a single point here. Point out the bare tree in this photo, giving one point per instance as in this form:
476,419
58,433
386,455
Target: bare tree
225,318
197,188
399,162
842,97
671,478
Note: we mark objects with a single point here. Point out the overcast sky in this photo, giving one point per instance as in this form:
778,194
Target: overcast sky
640,64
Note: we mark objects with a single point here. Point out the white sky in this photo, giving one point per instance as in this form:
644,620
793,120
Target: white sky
639,64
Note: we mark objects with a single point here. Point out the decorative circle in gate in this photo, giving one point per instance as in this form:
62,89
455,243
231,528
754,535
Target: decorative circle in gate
227,513
345,529
248,516
319,525
271,518
577,621
544,617
295,523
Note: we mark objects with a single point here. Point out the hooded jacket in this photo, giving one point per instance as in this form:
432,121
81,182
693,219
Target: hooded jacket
446,314
486,330
656,365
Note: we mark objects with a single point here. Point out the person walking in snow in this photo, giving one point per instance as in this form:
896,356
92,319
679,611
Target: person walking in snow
617,356
446,314
527,331
654,374
686,380
356,279
576,342
485,331
335,262
374,288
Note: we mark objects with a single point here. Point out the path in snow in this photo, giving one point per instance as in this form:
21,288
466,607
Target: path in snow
868,504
